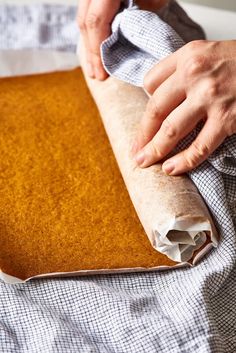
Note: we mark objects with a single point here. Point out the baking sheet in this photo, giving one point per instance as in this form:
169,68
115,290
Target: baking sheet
23,62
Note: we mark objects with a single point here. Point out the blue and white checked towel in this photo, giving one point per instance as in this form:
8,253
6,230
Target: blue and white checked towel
191,310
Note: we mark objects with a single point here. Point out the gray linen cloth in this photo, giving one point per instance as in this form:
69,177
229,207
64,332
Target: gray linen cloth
191,310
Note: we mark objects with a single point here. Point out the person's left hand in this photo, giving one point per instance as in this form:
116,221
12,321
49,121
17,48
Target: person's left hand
196,83
94,20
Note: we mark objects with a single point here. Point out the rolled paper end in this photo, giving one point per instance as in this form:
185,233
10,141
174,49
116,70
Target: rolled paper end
182,239
181,250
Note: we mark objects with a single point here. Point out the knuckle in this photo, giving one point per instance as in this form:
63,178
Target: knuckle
226,107
197,153
93,21
81,23
155,150
200,149
210,88
194,44
194,65
168,129
227,119
152,108
191,161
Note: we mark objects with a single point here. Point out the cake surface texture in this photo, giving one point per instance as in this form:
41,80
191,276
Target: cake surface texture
64,206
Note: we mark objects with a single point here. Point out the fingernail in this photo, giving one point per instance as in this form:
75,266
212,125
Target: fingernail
168,167
140,158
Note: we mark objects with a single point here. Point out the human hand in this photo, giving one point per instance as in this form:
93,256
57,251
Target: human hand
94,20
197,82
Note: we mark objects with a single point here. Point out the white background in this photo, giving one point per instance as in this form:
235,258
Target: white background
218,24
226,4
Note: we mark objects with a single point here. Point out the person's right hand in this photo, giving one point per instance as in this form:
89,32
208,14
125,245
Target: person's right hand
94,19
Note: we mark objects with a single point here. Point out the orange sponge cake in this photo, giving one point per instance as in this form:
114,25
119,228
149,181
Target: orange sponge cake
64,206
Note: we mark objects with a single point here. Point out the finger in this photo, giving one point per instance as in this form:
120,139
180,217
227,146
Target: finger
164,100
81,16
98,24
174,128
209,138
160,72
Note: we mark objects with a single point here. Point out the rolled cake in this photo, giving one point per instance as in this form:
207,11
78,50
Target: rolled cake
170,208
